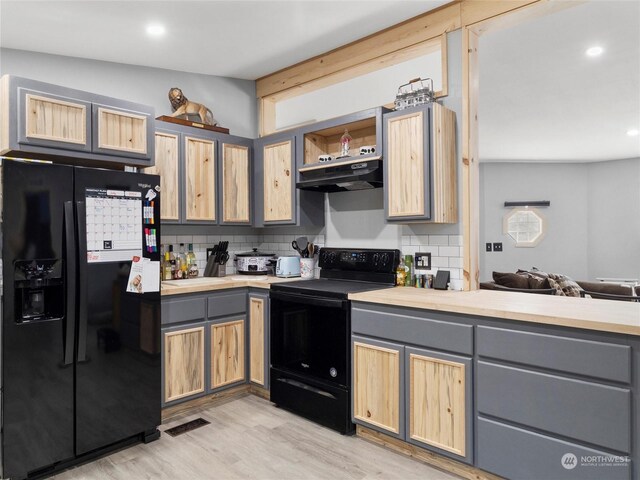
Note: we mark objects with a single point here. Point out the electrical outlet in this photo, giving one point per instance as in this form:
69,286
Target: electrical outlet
497,246
488,246
422,260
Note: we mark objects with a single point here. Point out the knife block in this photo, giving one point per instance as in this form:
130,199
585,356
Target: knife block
214,269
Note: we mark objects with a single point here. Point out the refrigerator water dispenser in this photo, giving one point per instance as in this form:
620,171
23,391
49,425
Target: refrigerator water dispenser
39,290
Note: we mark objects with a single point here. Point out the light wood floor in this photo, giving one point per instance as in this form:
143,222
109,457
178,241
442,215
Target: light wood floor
249,438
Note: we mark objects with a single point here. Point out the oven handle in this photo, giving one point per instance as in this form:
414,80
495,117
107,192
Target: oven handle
309,300
304,386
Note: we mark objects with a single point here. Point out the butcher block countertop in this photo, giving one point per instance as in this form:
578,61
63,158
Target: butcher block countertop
591,314
206,284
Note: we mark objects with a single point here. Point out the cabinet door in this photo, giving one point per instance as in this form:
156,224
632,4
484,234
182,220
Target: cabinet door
227,353
278,182
200,179
406,165
257,329
437,413
167,166
120,132
183,363
54,121
236,187
377,368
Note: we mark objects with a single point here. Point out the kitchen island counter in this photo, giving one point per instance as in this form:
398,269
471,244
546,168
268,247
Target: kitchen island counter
590,314
207,284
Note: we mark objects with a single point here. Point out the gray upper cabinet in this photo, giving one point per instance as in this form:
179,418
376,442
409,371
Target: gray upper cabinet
420,165
277,201
206,176
45,121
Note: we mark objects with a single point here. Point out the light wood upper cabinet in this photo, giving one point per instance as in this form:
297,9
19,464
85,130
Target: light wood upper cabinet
437,406
55,119
183,363
167,166
257,324
121,131
376,386
420,165
227,353
200,179
278,165
236,185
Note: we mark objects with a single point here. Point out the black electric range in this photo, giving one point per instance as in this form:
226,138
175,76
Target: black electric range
310,333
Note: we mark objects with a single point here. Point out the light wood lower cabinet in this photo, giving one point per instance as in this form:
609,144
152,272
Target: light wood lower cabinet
376,385
437,403
257,327
200,179
184,363
167,166
227,353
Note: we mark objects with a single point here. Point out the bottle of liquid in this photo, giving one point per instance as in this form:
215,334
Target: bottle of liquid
408,262
192,270
183,262
166,266
401,273
173,263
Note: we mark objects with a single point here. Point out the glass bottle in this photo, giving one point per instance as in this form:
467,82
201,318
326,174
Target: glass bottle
167,274
192,270
345,141
408,263
173,262
183,262
401,273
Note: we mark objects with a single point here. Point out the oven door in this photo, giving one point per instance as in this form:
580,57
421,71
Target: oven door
310,337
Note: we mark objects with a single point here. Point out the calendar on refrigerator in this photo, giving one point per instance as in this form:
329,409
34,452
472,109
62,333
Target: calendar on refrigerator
114,225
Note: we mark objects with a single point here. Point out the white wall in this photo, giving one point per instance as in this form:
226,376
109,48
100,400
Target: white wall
232,101
593,223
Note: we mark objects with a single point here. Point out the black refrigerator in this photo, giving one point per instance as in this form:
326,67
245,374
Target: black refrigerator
80,331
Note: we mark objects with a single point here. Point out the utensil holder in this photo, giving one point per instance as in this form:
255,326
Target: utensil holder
307,267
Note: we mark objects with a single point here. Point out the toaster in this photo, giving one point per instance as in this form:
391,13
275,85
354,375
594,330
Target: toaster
288,267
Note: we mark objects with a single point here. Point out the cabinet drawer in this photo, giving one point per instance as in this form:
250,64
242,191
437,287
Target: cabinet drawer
517,453
182,310
223,305
589,412
425,332
583,357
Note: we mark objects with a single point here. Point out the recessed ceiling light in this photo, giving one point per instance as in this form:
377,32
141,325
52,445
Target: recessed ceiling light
156,30
594,51
633,132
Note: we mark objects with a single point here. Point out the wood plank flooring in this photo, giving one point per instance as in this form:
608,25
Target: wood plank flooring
249,438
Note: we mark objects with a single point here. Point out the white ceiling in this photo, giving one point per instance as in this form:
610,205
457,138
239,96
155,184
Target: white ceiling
242,39
543,99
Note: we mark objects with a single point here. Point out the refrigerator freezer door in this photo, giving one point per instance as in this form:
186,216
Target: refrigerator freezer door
37,384
118,363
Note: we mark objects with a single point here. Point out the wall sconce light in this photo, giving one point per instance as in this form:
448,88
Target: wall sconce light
532,203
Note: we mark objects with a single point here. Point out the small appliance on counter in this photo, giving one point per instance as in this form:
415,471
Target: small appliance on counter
217,258
253,263
287,267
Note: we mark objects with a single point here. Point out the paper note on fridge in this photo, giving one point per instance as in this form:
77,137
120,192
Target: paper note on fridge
144,276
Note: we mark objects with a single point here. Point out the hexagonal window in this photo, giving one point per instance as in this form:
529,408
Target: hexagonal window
526,226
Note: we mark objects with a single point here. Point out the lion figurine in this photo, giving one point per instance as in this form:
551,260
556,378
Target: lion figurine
182,107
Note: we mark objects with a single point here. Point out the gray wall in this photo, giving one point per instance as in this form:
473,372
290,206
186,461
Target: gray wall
232,101
357,218
614,219
593,222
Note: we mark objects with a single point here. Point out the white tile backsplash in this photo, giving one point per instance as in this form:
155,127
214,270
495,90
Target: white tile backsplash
446,253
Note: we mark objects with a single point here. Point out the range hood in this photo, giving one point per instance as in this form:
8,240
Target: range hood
357,174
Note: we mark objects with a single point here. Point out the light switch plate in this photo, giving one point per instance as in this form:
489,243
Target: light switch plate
422,260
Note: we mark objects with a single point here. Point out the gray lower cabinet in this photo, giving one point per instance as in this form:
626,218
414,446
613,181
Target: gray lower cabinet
204,344
52,122
519,400
417,394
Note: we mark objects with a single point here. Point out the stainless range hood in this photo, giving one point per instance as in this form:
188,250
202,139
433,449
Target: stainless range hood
358,174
